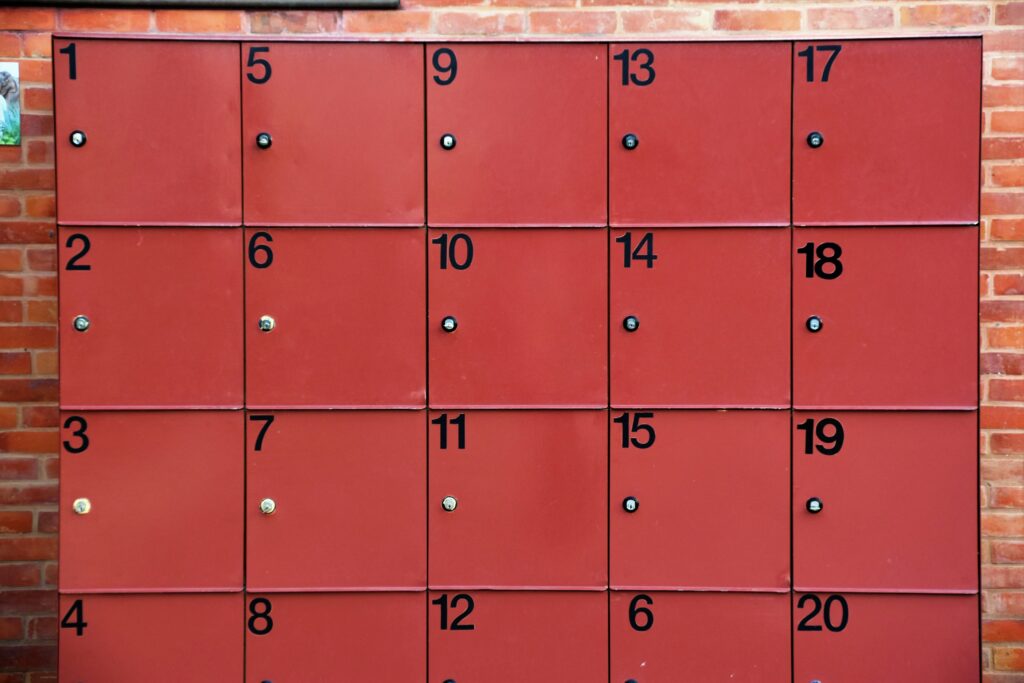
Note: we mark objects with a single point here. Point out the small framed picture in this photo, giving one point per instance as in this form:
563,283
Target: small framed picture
10,104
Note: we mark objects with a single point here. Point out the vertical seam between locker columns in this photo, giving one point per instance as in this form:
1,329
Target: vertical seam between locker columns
792,371
608,344
426,380
977,409
245,365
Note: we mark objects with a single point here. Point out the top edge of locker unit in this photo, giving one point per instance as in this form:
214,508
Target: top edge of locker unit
681,38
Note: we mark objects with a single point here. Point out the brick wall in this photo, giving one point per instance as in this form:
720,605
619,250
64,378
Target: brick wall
28,282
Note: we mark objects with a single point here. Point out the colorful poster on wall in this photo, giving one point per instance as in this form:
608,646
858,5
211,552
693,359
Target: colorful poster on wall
10,104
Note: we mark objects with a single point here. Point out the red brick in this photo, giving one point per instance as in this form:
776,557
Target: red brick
36,45
115,21
1004,603
1007,552
41,311
1011,229
1002,364
45,362
37,99
1002,96
11,285
10,206
1002,417
564,22
29,442
19,575
996,310
1008,176
10,259
42,628
1002,258
850,17
1008,658
49,522
624,3
1007,121
384,21
944,15
37,124
10,312
1003,41
14,521
28,337
40,416
1006,390
1002,576
28,657
1002,471
27,494
8,417
40,152
28,548
25,18
27,179
42,259
51,467
51,677
15,363
1002,631
198,21
1002,203
13,469
10,45
36,71
526,3
1009,524
757,20
33,390
479,23
41,286
10,628
663,21
1008,68
1002,148
10,155
302,21
1011,13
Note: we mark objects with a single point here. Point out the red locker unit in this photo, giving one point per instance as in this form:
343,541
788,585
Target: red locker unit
510,141
885,132
699,134
335,500
852,638
670,637
147,132
885,318
698,500
335,638
150,318
149,501
699,318
333,134
517,319
517,499
334,318
885,501
508,637
152,638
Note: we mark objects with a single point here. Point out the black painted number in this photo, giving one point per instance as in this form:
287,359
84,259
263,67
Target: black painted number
833,623
72,60
75,618
255,61
808,54
80,425
267,420
644,250
448,66
260,255
643,613
450,250
456,623
644,59
259,611
442,421
829,431
73,262
636,427
822,260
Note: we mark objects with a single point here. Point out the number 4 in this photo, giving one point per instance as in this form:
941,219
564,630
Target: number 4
75,618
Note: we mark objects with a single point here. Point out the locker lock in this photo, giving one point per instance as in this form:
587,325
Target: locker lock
268,506
77,138
264,141
815,140
449,503
449,323
630,141
449,680
631,680
266,323
80,323
631,323
448,141
814,505
81,506
630,504
814,323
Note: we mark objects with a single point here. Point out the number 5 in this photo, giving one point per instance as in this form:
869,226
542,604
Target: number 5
256,61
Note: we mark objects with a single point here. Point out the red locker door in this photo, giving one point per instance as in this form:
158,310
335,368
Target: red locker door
699,134
672,637
336,638
149,501
336,500
518,319
897,501
344,133
517,499
885,132
148,133
152,638
516,135
853,638
699,499
150,318
885,318
334,318
509,637
700,318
